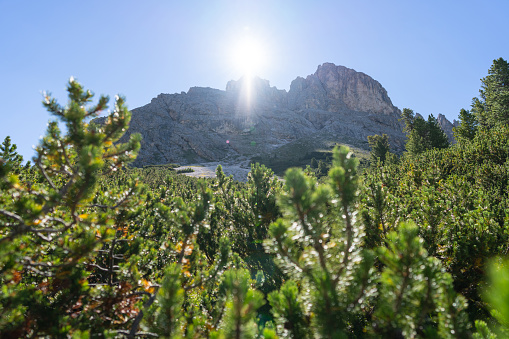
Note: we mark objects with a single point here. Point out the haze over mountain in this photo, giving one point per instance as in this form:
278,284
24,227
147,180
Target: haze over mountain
252,119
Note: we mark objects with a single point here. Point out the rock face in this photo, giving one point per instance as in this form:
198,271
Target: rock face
447,127
336,88
251,118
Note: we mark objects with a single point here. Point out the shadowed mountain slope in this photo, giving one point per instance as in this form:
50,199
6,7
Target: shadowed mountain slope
252,119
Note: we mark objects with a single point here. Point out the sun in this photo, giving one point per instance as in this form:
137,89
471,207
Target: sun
249,56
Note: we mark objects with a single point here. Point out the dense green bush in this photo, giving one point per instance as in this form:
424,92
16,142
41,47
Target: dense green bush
92,247
458,197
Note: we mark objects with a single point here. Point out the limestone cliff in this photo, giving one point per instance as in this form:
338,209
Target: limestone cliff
336,88
447,127
251,118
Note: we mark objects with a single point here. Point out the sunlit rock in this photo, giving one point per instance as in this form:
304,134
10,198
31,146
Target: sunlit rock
334,104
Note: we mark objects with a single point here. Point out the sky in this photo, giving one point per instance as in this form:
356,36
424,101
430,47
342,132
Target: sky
429,55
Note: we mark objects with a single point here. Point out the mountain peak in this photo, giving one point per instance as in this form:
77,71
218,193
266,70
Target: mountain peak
252,119
334,88
253,81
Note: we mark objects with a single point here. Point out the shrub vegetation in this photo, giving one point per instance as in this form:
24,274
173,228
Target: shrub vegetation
411,247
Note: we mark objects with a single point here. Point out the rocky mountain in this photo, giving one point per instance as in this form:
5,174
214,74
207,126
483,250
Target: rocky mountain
447,126
251,119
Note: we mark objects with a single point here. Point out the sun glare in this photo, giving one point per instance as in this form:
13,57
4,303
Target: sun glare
249,57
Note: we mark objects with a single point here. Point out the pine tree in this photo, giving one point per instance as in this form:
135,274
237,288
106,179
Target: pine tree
422,135
242,301
9,155
416,295
497,297
379,147
50,234
333,290
408,117
435,135
321,169
314,163
492,108
468,126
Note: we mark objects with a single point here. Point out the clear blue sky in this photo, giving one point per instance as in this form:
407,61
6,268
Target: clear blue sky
429,55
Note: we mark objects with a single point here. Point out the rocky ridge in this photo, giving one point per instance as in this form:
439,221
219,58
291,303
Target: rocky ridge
447,126
252,119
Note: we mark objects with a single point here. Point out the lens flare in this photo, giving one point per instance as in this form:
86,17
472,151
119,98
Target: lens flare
249,56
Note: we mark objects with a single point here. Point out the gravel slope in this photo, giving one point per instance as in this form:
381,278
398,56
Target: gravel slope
208,170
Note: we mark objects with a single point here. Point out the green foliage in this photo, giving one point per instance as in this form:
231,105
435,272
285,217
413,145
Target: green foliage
319,244
166,319
322,168
436,137
483,331
244,212
49,232
497,295
492,108
458,198
87,250
379,147
185,170
314,163
289,311
379,216
416,295
422,135
90,247
242,301
9,155
468,126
